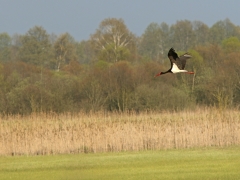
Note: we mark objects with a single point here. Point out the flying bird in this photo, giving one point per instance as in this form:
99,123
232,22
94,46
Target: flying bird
177,63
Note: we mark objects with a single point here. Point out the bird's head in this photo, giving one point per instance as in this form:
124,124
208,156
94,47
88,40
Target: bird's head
158,74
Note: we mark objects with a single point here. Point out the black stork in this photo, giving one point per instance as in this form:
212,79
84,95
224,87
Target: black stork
177,63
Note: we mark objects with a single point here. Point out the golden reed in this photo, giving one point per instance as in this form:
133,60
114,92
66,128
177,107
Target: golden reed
112,132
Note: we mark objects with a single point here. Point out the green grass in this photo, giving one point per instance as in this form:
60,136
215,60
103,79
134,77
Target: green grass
213,163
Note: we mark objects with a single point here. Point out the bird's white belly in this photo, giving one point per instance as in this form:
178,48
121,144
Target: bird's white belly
175,69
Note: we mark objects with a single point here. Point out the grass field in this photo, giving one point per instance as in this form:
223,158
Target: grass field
210,163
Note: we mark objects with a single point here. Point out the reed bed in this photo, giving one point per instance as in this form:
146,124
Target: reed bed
113,132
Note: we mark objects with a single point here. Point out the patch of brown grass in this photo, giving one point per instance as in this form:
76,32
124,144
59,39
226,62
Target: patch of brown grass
104,132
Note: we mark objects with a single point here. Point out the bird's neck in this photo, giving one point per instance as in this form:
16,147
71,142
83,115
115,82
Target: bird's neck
168,71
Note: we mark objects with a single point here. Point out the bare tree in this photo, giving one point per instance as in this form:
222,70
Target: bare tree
64,50
112,40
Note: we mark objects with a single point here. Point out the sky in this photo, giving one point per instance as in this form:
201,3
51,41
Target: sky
81,18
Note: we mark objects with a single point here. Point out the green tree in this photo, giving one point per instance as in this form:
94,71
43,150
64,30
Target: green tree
16,45
231,44
5,47
201,33
121,86
85,52
212,55
94,89
36,47
2,90
154,41
222,30
165,37
182,35
195,64
231,66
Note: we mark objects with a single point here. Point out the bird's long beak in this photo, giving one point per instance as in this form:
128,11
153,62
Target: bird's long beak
157,74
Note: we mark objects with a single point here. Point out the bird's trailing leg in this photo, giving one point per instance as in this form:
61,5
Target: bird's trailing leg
158,74
189,72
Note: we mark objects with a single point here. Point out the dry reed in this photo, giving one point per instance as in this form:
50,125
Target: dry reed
99,132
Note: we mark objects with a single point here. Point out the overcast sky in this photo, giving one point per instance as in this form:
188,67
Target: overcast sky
80,18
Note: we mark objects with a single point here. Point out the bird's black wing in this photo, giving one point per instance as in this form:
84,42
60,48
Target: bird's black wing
181,61
172,55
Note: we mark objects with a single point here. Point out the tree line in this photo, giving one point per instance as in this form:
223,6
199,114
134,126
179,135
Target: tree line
113,70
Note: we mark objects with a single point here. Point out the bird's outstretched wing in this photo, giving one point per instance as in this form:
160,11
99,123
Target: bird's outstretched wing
179,61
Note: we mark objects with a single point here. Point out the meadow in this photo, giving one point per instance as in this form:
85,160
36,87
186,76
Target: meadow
45,134
201,163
